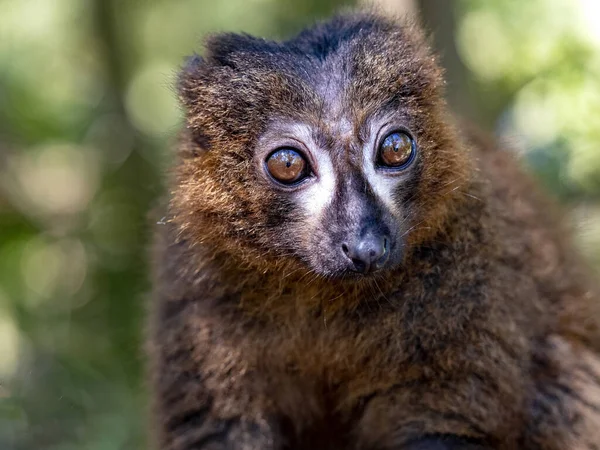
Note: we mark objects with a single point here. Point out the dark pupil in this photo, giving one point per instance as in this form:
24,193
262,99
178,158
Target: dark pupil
396,149
286,165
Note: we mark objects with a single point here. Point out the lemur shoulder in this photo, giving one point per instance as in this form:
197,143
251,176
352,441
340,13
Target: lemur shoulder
345,265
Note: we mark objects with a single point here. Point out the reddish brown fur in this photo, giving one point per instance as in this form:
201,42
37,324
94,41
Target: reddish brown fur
488,331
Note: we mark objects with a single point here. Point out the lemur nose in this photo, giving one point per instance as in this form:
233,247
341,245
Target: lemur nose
368,253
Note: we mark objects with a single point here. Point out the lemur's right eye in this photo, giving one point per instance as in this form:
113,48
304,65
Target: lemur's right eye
287,166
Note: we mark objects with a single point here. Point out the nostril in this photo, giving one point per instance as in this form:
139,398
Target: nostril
367,254
360,265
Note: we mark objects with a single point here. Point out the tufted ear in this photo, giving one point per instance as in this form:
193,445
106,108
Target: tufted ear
192,64
192,80
224,52
224,49
192,72
225,91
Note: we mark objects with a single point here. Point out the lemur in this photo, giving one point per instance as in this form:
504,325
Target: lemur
346,265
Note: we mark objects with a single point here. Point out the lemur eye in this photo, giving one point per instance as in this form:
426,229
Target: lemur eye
396,150
287,166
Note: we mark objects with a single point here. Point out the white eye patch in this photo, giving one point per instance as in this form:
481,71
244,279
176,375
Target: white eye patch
316,197
383,186
320,194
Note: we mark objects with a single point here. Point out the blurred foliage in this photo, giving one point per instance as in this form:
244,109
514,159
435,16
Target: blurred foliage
87,110
534,69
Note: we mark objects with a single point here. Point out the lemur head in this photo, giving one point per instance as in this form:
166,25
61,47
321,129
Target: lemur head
330,151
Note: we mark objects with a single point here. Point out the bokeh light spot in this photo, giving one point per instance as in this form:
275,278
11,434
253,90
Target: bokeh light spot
151,103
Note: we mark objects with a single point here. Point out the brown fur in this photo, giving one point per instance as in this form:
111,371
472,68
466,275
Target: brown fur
486,334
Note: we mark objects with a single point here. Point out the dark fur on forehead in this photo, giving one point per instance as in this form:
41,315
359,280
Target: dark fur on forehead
327,37
393,56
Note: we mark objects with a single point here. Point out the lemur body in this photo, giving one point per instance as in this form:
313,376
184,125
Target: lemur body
346,267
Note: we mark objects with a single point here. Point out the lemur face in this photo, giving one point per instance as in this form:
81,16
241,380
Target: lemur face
333,155
348,186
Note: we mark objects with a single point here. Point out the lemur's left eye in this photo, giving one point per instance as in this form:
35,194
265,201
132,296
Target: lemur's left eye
397,150
287,166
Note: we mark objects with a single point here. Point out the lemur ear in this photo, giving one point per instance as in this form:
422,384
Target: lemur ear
193,79
224,52
190,75
192,64
226,48
210,86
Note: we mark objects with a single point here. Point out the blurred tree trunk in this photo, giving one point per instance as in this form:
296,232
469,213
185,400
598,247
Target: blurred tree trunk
439,18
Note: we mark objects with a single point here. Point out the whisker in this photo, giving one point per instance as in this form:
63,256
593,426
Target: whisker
382,294
472,196
374,293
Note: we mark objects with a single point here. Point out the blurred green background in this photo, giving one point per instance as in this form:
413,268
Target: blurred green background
87,111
